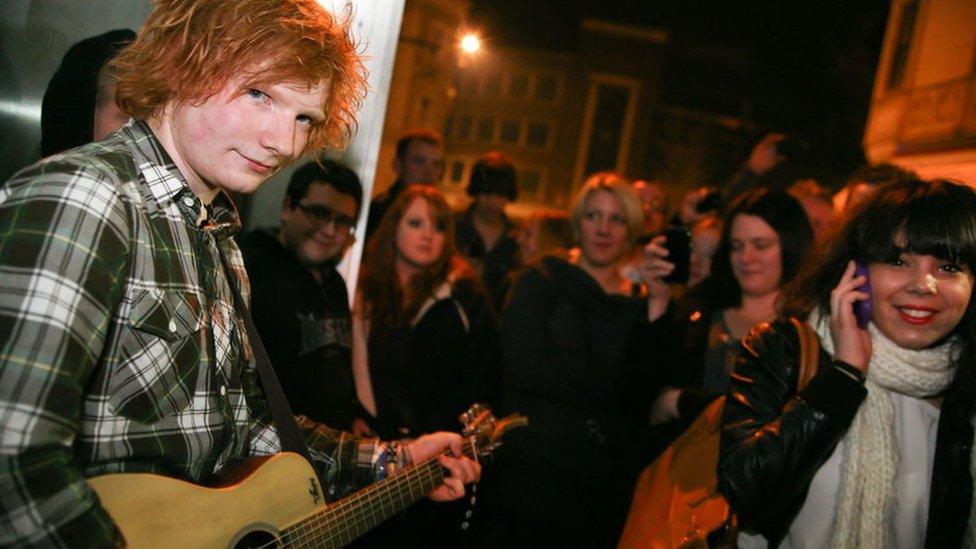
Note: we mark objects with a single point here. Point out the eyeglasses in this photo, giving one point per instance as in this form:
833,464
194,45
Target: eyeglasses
321,215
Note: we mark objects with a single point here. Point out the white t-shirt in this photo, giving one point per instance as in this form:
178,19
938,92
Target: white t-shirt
916,427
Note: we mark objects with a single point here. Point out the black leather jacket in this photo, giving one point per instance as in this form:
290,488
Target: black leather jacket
774,439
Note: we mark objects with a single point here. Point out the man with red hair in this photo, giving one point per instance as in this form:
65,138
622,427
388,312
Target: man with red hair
121,348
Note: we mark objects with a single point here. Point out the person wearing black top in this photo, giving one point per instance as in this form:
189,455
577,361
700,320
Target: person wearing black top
485,235
425,346
79,103
579,363
876,450
300,303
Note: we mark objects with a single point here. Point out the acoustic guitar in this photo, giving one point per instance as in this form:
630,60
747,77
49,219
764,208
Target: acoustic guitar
276,501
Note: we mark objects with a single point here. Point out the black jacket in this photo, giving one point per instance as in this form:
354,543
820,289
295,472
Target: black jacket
580,364
426,374
496,263
774,440
306,328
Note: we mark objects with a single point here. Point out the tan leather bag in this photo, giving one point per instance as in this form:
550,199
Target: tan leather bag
676,500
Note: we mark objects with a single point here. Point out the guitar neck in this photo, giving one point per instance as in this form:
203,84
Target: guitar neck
344,521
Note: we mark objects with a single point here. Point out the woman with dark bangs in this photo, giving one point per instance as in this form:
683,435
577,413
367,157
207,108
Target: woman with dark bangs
876,450
425,339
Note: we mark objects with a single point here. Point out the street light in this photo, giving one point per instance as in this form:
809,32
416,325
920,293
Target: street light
470,43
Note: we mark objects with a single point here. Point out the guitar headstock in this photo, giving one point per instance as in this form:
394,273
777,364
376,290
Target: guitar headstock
486,432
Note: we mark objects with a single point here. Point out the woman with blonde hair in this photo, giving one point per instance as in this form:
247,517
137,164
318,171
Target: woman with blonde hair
572,340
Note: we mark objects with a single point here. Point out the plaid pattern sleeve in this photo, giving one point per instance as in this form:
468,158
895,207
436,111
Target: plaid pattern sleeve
63,248
120,349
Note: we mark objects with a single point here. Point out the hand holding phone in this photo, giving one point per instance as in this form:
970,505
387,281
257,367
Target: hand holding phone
678,242
862,309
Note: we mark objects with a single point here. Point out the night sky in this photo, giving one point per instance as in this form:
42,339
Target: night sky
811,69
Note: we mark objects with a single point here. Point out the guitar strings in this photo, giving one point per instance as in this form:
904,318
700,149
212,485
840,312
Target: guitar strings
324,521
321,520
430,469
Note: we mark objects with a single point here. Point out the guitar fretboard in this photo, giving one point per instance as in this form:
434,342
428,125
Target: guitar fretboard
342,522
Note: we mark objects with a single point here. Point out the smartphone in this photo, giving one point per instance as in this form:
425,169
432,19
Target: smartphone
678,243
862,309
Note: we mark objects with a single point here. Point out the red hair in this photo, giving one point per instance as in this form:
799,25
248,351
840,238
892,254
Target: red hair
385,301
188,50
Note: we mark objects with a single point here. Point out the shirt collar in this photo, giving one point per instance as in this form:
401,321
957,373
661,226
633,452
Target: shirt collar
166,184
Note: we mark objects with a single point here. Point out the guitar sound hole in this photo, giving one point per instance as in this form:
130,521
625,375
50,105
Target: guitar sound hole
256,539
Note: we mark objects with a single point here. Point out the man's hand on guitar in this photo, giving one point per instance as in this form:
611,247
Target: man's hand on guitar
463,470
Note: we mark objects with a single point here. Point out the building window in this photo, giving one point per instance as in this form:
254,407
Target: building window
486,129
903,44
510,131
448,127
463,128
537,135
545,88
457,171
518,85
606,135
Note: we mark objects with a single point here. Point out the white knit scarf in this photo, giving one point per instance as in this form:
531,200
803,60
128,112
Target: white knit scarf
866,502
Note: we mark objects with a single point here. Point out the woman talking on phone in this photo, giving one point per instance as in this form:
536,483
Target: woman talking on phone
876,450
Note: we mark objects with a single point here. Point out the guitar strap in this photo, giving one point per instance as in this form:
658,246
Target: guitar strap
281,415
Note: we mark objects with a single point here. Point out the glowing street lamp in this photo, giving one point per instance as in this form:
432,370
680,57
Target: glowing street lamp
470,43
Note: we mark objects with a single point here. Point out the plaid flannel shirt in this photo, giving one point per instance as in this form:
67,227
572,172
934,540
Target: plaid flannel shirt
120,350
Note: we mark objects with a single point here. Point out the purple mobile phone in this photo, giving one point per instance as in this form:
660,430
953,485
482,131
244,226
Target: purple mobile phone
862,309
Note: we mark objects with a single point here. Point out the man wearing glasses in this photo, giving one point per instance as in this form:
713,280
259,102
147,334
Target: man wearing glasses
299,300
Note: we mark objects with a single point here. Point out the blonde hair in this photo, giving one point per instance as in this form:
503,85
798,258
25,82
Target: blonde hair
621,189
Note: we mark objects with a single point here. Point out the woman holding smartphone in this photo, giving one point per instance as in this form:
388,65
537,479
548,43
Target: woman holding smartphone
578,364
764,238
876,450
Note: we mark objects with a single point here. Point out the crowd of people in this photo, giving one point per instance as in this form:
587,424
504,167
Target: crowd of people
611,326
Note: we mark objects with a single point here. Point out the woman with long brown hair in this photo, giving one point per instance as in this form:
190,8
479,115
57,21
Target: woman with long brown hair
425,340
425,346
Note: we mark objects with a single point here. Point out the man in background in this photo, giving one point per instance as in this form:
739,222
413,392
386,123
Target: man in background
419,160
484,234
299,300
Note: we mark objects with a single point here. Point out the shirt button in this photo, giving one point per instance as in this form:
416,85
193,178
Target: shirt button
223,390
172,326
188,201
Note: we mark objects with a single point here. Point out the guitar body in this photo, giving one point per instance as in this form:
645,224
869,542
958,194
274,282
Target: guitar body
275,501
157,511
